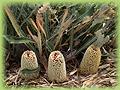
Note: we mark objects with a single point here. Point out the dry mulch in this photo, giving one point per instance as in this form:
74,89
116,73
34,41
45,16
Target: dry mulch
105,77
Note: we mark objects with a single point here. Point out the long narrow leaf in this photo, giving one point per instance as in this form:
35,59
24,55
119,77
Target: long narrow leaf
85,45
39,43
33,36
47,30
49,46
17,40
17,27
13,20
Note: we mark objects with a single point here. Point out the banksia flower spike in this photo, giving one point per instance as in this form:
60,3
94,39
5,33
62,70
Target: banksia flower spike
57,67
29,65
92,56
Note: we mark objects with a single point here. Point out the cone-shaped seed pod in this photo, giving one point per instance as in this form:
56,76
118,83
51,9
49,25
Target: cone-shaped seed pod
92,56
29,65
56,67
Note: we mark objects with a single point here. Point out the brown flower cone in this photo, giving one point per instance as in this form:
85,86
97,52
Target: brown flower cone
91,60
57,67
29,65
92,56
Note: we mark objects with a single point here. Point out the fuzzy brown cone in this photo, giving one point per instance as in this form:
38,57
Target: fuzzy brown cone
57,67
91,60
92,56
29,65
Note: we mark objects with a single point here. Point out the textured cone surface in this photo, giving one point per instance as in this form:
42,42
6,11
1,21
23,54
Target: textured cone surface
29,65
56,67
91,60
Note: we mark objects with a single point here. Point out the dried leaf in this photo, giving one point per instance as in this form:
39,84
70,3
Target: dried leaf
63,27
39,18
38,40
104,66
33,23
73,72
39,43
40,27
33,36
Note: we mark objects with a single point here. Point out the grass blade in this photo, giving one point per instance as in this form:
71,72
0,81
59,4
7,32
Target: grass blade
39,43
17,40
13,20
85,45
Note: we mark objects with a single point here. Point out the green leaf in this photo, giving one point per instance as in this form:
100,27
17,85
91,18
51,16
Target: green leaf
88,11
28,71
49,46
17,40
13,20
85,45
47,30
18,29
